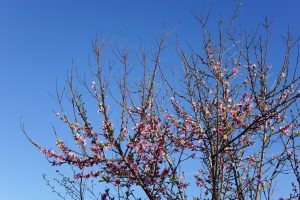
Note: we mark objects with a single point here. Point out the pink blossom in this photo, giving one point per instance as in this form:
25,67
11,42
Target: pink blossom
235,71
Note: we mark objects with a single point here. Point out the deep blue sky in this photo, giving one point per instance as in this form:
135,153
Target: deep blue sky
38,41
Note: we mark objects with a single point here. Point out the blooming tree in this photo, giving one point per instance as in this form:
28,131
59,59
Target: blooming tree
226,127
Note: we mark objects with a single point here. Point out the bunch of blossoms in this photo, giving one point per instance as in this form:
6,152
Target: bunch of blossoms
236,117
137,153
232,121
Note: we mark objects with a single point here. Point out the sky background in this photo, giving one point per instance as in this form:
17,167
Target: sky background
40,38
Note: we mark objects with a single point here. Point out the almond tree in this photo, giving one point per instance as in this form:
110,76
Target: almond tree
231,114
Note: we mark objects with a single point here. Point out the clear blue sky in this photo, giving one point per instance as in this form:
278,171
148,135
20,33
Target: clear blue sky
39,39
